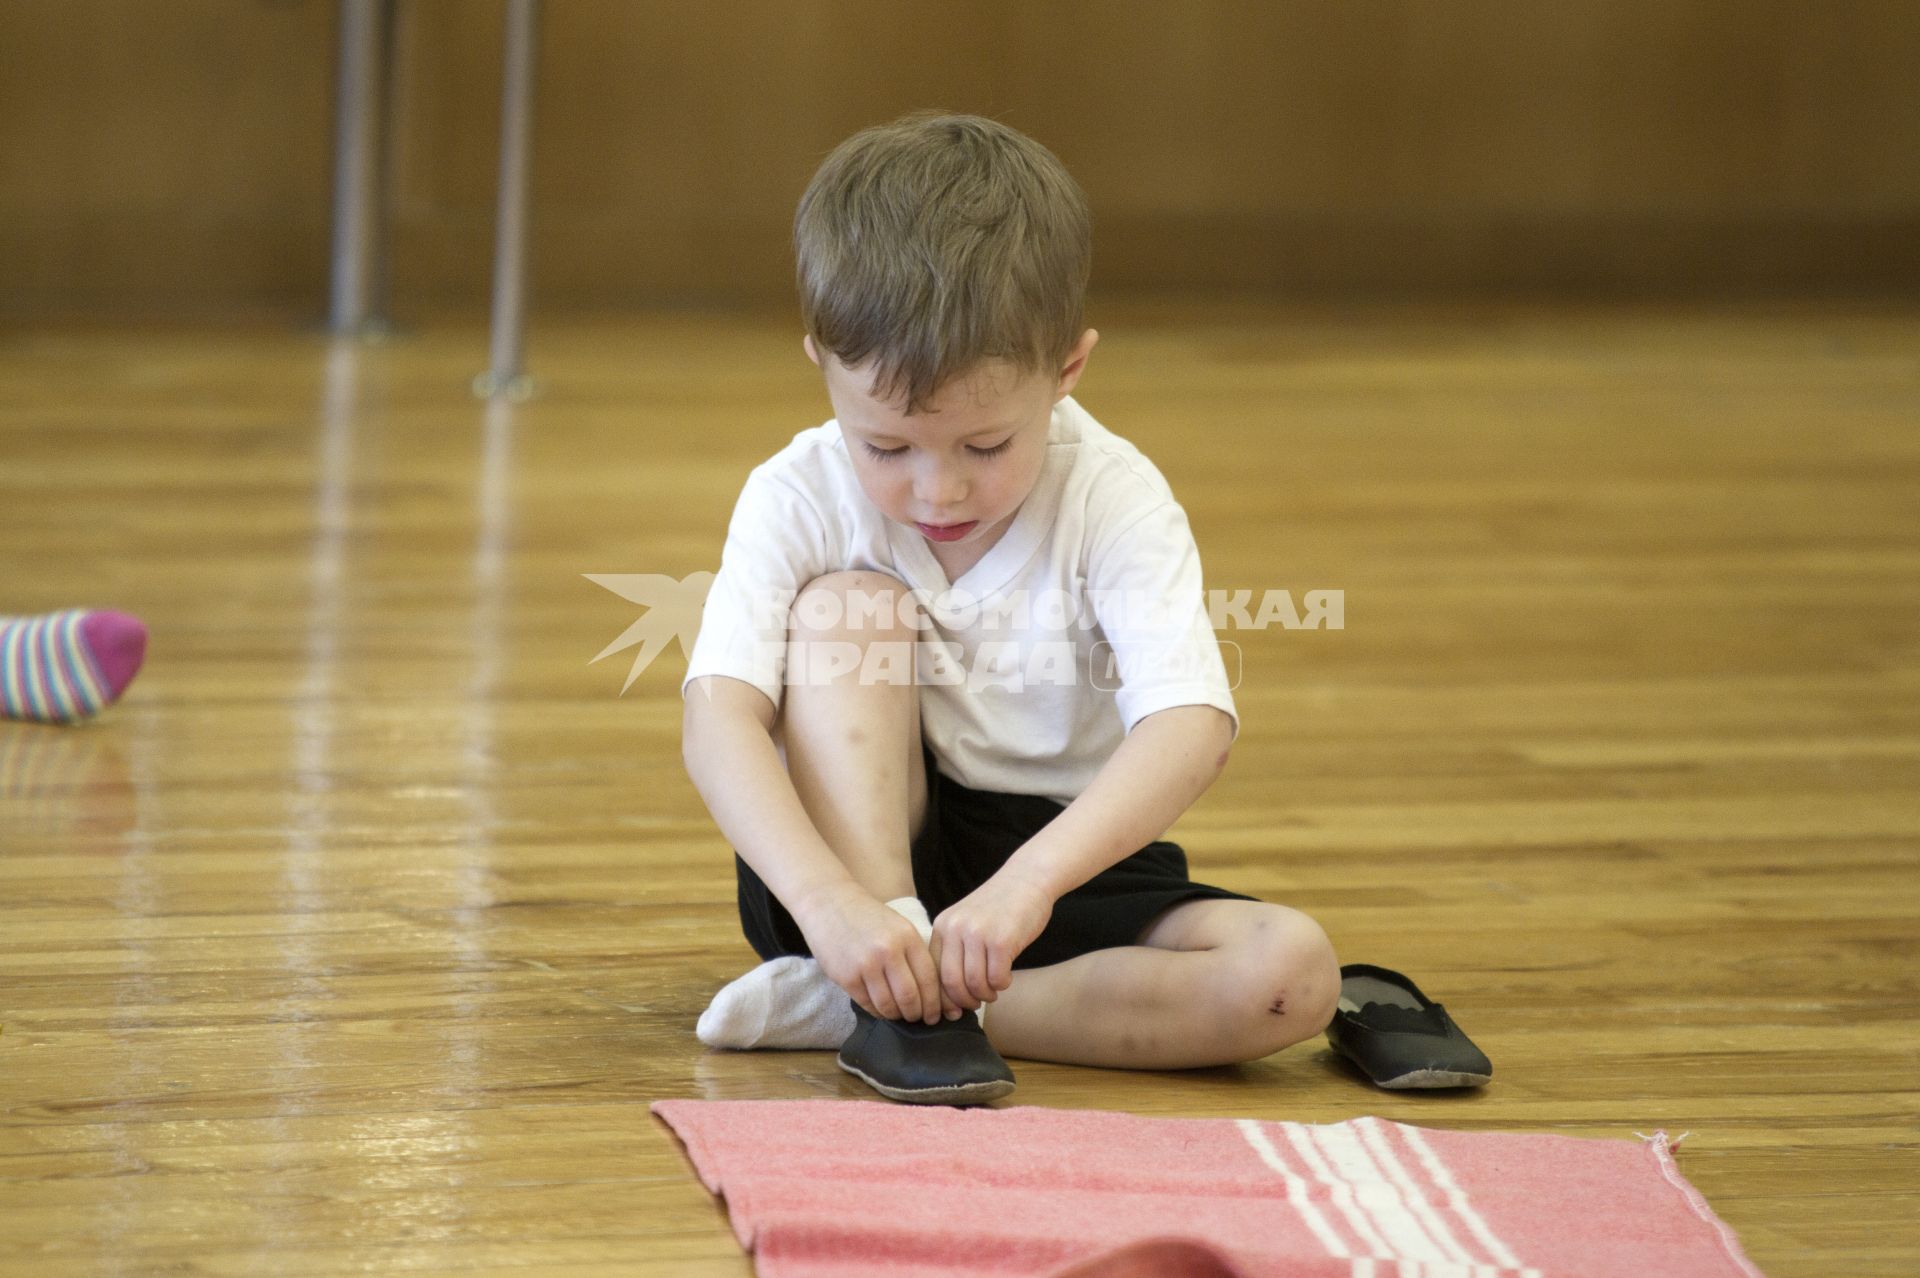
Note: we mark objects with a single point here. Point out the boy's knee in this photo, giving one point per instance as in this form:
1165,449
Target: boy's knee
1286,984
857,603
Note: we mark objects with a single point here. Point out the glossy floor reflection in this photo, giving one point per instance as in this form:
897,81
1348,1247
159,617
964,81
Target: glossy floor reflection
358,937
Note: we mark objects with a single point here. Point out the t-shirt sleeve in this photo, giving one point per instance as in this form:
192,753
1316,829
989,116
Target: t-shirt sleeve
1145,586
776,544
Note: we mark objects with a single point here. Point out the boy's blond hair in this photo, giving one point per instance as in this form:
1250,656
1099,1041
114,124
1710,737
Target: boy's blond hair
937,242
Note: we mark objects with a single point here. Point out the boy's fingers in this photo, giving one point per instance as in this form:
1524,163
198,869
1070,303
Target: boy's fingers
904,983
858,993
933,957
953,978
977,972
948,1008
882,999
927,1007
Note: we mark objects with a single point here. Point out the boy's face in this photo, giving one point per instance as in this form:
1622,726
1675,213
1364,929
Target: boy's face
958,471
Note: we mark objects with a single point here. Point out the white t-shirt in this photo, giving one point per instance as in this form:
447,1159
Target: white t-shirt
1085,617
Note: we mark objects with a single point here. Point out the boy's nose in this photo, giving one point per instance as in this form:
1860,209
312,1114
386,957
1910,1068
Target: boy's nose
937,490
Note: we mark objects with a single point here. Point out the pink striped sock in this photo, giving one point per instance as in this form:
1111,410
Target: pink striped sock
62,667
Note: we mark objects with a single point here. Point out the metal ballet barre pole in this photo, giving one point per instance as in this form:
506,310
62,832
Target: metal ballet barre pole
506,375
356,172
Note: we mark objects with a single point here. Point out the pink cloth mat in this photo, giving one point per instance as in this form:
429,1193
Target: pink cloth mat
853,1189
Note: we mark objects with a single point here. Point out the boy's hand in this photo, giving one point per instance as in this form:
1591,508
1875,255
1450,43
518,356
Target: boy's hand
976,940
873,953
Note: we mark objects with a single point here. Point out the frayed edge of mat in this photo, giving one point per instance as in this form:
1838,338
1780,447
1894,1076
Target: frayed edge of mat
1663,1147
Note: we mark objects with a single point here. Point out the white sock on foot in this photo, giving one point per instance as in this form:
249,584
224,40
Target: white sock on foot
785,1002
788,1002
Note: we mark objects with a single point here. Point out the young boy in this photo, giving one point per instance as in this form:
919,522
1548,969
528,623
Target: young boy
901,707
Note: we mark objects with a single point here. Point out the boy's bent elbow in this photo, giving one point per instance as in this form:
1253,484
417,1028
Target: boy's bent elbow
1222,741
692,699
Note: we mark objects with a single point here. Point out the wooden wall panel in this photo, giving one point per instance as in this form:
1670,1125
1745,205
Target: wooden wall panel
163,153
179,154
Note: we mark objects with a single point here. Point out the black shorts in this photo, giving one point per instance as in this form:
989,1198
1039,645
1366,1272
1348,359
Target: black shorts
969,834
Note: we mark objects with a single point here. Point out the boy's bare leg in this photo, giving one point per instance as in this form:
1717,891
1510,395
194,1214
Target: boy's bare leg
849,735
1218,982
852,748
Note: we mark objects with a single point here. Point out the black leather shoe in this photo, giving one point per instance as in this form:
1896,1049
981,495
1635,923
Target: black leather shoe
1398,1037
950,1063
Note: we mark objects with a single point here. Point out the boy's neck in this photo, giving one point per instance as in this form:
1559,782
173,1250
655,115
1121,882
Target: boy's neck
956,564
957,561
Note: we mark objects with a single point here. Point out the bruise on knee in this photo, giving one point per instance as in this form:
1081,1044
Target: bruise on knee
1297,995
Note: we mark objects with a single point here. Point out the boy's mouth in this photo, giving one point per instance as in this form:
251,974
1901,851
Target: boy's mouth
948,532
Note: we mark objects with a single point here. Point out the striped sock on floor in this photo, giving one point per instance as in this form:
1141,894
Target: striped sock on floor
65,666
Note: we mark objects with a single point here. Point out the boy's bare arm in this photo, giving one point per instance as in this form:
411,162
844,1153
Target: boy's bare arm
1164,764
867,949
726,742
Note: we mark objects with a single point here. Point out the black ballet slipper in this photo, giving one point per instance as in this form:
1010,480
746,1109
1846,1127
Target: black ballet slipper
948,1063
1398,1037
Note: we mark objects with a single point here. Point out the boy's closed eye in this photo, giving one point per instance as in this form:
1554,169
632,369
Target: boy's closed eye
885,454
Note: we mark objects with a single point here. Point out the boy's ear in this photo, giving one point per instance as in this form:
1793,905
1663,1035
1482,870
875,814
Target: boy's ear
806,344
1076,364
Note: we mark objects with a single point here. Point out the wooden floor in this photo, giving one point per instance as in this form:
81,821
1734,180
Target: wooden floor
359,936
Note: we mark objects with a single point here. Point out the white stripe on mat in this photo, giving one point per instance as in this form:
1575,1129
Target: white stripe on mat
1381,1200
1414,1195
1338,1191
1387,1208
1296,1189
1457,1201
